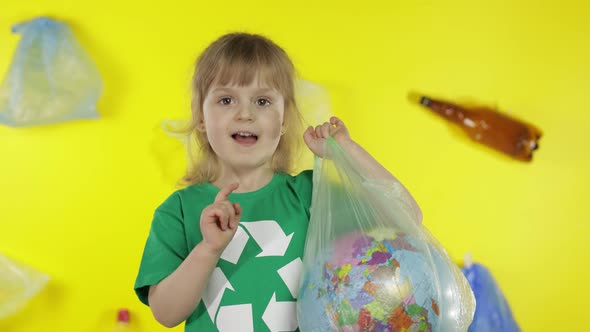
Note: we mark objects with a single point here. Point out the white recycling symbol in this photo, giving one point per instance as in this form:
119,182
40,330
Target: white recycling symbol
278,315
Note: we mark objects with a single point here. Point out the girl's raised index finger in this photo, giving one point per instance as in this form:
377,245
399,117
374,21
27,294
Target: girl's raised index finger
224,192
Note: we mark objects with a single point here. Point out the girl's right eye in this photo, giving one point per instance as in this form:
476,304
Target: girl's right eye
225,101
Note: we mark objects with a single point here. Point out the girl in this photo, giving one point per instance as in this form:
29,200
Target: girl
224,253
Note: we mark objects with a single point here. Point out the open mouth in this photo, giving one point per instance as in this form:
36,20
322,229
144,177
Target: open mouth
245,137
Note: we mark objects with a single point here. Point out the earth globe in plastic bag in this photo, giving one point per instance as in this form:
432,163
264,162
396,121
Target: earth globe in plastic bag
369,263
376,281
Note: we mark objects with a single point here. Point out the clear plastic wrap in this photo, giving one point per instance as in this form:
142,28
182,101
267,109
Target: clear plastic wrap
369,263
18,284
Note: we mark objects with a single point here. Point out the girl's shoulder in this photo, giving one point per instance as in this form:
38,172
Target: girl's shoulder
304,178
200,192
302,183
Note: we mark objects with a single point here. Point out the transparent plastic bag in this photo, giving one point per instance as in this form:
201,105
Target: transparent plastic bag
51,78
313,103
369,264
18,284
493,313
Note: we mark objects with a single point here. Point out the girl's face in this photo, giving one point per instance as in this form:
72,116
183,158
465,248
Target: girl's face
243,124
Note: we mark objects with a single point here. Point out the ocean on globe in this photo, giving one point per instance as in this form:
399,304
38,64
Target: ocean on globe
377,281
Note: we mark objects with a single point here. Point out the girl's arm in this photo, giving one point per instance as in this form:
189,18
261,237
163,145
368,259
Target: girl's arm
315,139
175,298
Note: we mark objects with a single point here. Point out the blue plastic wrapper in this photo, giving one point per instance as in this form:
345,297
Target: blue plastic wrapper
51,78
492,313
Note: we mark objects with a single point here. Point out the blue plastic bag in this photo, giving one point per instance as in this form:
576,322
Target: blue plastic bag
51,78
492,313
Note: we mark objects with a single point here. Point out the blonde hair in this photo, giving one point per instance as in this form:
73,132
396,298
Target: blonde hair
239,58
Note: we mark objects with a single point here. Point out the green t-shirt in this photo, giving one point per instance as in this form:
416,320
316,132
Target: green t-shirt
254,286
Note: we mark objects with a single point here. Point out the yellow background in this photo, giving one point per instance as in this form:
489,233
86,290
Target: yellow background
76,199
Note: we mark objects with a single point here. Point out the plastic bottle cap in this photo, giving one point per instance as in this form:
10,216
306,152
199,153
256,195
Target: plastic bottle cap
123,316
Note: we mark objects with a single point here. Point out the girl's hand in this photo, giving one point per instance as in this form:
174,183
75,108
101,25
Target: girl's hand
315,138
219,221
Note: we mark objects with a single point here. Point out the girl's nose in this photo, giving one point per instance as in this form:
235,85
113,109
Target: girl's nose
245,113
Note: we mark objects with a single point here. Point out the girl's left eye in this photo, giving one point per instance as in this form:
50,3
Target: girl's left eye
263,102
225,100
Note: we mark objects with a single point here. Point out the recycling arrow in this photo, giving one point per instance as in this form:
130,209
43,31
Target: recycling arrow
234,249
234,318
290,274
280,316
269,236
214,291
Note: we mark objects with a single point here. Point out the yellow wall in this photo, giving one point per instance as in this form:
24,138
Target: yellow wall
76,199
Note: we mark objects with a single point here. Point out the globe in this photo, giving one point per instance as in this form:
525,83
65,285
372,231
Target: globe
377,281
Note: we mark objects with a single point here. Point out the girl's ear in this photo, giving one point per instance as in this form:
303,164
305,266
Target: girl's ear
201,126
195,112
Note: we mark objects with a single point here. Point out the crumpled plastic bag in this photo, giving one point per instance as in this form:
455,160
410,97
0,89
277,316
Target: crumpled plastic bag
51,78
493,313
18,284
369,264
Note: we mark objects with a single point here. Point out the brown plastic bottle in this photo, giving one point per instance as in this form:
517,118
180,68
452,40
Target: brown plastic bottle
496,130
